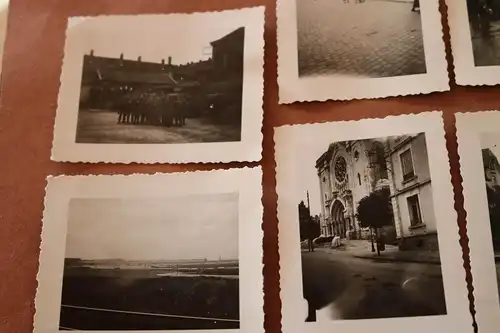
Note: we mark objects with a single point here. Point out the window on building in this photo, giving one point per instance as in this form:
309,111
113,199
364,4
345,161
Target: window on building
359,179
414,210
407,165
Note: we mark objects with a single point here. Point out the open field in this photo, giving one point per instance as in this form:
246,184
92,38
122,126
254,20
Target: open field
141,299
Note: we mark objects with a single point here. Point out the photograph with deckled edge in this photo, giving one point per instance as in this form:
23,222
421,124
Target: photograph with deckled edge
180,94
475,40
478,138
137,262
358,46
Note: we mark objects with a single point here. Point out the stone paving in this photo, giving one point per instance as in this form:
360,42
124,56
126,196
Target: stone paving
370,38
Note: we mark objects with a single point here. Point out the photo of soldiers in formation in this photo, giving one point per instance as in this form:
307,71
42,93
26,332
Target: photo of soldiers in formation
159,109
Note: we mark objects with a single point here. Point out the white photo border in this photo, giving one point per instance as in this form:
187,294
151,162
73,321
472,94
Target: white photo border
59,190
470,127
294,308
295,89
466,72
65,149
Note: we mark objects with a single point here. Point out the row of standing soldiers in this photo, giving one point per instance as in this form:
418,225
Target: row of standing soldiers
152,108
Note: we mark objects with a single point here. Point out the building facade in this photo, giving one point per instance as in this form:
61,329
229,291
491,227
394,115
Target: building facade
491,169
349,171
411,192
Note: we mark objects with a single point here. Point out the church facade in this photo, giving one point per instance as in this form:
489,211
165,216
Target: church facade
350,170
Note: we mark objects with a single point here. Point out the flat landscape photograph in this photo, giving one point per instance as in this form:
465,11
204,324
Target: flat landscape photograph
151,264
368,230
164,89
490,144
359,38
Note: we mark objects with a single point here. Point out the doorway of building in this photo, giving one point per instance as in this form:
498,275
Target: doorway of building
338,218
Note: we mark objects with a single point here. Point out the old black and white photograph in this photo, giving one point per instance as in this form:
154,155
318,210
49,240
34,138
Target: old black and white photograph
484,23
490,150
356,38
479,151
151,264
369,48
152,253
171,100
475,40
371,221
178,81
369,225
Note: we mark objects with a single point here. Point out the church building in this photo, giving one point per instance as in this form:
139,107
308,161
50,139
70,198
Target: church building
350,170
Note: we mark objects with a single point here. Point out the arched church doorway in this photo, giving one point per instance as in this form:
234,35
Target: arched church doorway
338,219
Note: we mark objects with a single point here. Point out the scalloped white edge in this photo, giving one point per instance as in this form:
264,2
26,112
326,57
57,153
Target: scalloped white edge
466,73
289,141
470,126
59,190
64,148
322,88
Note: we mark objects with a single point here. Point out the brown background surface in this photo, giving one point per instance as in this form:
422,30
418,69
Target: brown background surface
32,64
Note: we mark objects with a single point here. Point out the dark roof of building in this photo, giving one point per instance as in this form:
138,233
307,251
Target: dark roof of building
236,34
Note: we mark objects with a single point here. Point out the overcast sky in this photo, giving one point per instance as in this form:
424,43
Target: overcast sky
491,140
193,227
154,37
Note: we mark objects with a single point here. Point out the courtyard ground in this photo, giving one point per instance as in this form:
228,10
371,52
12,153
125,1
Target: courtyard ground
102,127
370,38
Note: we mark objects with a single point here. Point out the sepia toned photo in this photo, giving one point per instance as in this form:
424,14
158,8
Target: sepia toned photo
478,147
475,40
354,46
170,267
371,221
160,88
371,218
165,256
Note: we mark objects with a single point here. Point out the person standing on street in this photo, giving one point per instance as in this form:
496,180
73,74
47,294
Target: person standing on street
310,238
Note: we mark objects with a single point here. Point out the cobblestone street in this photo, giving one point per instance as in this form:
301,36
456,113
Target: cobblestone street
370,38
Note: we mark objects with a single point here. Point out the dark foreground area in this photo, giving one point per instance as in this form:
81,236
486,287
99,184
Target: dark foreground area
341,286
126,302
